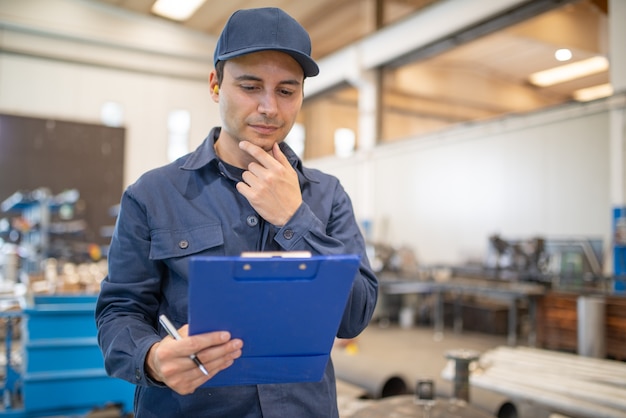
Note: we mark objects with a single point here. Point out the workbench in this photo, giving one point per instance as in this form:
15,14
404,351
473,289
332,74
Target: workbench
511,292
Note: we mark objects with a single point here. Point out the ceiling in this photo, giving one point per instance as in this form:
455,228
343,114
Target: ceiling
332,24
489,76
466,81
510,54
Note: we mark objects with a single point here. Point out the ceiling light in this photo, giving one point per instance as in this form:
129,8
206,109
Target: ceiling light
569,72
176,9
563,54
593,93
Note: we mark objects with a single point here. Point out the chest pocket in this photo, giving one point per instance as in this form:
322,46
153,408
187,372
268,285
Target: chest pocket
171,243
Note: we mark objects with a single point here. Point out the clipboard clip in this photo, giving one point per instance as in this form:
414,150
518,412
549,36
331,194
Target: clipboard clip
276,254
275,266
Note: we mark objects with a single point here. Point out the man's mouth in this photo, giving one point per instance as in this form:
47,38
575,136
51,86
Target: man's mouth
264,129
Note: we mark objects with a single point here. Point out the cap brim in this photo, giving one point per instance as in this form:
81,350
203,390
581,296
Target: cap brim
309,66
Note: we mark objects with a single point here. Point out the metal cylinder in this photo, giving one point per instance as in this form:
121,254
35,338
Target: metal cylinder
377,381
407,317
462,359
591,326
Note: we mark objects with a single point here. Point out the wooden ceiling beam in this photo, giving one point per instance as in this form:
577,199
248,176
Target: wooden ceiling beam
603,5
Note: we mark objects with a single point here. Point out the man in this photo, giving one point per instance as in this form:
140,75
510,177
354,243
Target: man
243,189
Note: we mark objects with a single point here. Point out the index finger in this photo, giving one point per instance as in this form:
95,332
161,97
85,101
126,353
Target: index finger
279,155
199,342
259,154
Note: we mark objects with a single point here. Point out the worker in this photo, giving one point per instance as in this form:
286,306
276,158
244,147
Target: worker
242,189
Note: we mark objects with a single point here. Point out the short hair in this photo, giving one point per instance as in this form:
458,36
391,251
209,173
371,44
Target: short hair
219,72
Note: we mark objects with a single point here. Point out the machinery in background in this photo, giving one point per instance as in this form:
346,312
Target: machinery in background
49,280
59,370
519,259
39,225
558,262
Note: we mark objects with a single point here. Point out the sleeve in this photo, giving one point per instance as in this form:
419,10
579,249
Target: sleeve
340,234
128,299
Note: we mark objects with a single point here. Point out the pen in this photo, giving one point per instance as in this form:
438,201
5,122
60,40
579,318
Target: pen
169,327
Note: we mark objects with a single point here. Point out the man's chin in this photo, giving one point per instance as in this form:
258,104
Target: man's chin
265,143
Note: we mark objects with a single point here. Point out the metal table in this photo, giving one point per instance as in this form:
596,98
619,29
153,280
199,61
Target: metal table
512,292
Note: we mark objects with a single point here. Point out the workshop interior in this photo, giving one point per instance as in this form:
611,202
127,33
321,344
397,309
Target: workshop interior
482,143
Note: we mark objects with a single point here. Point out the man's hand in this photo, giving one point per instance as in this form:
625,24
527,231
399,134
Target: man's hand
168,360
270,184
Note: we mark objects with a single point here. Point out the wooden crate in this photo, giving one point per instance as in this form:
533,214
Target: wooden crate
616,328
557,324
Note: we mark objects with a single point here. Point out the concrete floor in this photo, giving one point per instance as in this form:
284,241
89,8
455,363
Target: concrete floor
381,354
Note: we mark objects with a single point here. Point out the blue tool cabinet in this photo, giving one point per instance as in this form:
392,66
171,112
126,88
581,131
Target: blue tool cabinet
63,369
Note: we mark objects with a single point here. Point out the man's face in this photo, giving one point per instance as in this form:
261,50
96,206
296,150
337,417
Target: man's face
260,97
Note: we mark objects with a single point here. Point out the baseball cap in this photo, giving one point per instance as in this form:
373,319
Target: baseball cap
268,28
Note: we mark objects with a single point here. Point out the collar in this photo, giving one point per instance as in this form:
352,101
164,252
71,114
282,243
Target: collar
204,154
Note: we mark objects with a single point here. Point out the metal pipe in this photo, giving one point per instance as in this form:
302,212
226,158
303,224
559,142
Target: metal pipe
462,359
366,373
566,383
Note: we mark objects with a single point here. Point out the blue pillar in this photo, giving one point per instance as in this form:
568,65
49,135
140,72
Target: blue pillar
619,249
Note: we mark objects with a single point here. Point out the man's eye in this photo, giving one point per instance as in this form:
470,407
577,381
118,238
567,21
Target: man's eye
286,92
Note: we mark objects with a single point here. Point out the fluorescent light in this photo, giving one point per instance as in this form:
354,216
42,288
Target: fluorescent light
569,72
592,93
176,9
563,54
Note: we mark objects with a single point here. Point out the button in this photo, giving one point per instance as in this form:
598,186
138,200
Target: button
137,374
252,220
288,233
183,244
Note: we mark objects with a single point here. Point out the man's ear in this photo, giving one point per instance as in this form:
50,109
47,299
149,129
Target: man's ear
214,86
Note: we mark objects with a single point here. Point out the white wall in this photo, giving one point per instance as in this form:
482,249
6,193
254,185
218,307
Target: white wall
545,174
65,58
53,89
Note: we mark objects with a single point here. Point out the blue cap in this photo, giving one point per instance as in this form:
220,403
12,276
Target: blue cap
269,28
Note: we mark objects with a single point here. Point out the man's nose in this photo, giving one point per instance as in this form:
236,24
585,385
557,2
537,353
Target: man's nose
267,104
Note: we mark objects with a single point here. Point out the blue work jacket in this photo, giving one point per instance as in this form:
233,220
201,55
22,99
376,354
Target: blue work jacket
191,207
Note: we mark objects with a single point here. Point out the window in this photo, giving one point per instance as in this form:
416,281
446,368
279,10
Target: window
112,114
178,125
295,139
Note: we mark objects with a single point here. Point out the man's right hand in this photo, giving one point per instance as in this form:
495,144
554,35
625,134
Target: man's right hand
168,361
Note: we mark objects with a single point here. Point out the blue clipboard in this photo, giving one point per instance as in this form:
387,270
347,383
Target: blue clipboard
286,310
